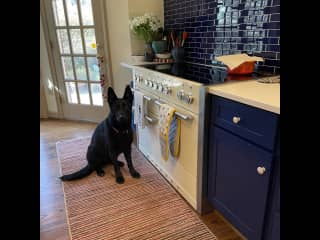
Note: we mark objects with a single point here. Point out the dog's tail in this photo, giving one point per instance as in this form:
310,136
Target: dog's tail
78,175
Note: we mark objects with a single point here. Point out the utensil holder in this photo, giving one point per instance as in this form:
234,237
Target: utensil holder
178,54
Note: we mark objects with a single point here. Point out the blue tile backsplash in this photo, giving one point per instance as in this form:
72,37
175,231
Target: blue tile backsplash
220,27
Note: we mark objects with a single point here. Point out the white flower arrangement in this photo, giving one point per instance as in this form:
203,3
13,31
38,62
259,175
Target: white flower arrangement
145,26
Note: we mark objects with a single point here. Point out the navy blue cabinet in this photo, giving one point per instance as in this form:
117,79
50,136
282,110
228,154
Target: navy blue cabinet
241,160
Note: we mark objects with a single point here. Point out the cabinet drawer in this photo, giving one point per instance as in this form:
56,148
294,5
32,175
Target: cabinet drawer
254,124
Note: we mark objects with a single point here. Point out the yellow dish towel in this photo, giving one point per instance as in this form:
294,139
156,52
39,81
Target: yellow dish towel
169,131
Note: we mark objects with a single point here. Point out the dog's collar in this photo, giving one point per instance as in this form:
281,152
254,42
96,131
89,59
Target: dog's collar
117,131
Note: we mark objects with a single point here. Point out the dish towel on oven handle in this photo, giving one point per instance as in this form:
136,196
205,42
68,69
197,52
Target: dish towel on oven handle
169,126
139,109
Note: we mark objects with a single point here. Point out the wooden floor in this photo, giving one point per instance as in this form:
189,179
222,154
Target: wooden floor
53,224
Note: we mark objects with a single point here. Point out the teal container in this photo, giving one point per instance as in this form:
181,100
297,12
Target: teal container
159,46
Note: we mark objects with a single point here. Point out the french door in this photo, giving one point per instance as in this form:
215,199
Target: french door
77,38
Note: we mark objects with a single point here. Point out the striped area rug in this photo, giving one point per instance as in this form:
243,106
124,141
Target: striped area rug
140,209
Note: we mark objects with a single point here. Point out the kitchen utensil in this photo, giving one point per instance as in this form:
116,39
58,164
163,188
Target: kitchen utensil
173,43
184,37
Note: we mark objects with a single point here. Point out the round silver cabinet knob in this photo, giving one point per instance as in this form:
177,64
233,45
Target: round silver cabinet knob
261,170
236,119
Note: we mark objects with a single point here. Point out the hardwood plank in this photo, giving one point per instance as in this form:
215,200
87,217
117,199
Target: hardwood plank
53,223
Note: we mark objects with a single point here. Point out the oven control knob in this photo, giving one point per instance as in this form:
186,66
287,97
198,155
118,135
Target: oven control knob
140,78
150,84
155,86
146,82
188,99
166,90
180,94
164,87
160,87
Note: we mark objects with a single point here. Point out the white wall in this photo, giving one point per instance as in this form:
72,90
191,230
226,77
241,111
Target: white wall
46,77
119,42
138,8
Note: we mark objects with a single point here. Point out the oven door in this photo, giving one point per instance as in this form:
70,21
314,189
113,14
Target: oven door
181,172
147,137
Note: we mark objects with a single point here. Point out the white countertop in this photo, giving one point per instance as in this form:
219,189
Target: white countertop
132,63
261,95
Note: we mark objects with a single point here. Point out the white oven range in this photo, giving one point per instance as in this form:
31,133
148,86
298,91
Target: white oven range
185,173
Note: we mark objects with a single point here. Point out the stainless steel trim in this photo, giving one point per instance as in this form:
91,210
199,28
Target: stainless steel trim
184,117
203,205
149,119
157,103
147,98
178,114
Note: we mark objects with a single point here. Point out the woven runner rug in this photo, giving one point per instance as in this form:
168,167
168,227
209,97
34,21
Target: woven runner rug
144,208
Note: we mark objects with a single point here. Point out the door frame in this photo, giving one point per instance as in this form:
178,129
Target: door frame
99,8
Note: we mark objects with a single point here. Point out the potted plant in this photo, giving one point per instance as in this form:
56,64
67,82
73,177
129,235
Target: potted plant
146,27
159,44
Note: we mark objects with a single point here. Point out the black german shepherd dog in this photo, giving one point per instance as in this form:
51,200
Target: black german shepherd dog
112,137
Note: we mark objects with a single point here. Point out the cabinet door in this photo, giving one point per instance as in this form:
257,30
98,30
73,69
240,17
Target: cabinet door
235,187
273,225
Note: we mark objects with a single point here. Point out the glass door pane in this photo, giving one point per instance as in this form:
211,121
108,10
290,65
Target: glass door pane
96,94
72,12
80,67
58,12
86,12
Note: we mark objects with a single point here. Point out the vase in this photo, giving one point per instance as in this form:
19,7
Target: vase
177,54
148,53
159,46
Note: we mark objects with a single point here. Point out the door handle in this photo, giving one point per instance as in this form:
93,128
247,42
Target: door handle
100,58
149,119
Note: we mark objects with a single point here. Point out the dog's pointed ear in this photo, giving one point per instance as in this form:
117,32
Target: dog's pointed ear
128,94
111,95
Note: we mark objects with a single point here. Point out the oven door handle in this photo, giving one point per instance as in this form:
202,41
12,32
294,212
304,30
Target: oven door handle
150,120
178,114
147,98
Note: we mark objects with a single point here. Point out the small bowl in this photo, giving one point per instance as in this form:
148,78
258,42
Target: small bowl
163,55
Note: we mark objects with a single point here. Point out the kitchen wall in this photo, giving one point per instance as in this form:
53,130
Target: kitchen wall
122,43
138,8
119,42
222,27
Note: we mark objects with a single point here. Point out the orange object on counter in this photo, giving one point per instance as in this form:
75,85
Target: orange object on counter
244,68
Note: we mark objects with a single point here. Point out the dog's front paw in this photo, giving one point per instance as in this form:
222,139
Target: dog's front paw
135,174
100,173
120,179
121,164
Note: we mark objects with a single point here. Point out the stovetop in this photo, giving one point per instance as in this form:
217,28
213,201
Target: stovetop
205,74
